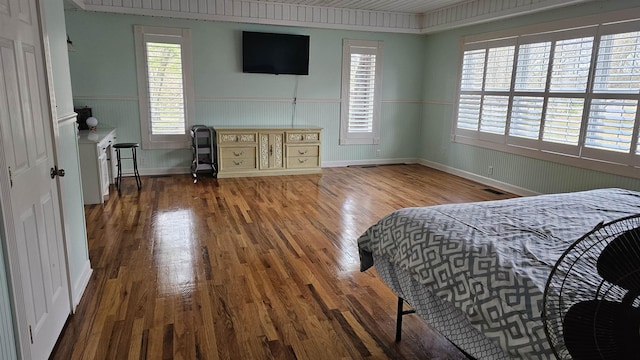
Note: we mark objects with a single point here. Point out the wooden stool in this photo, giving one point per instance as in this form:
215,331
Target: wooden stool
133,147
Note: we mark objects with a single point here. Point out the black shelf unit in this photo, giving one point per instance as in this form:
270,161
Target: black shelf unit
203,150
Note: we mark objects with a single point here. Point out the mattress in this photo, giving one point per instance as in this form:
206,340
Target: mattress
484,265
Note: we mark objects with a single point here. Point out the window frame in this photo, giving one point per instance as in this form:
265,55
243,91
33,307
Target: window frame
350,47
620,163
143,35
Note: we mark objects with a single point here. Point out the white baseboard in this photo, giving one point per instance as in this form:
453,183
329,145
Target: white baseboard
480,179
81,284
345,163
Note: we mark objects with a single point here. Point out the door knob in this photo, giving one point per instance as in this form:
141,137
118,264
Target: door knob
55,171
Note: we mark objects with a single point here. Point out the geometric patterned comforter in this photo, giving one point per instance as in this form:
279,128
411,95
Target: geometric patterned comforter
488,261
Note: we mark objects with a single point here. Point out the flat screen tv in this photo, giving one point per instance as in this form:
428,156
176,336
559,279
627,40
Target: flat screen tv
269,53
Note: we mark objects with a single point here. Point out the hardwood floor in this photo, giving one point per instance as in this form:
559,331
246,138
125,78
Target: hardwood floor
251,268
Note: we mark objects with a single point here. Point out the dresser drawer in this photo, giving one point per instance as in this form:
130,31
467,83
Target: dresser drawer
238,164
309,150
303,162
237,138
303,137
248,152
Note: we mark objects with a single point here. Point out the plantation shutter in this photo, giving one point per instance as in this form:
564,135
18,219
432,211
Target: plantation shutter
571,63
166,88
471,84
571,94
613,111
362,87
361,81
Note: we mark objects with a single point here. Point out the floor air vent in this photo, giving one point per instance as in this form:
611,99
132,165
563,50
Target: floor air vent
495,192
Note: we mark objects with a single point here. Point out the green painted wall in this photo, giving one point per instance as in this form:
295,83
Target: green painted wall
422,68
104,78
442,51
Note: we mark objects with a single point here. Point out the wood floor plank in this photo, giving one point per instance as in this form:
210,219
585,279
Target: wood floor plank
252,268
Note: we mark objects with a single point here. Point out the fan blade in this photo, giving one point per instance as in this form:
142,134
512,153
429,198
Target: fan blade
598,329
619,262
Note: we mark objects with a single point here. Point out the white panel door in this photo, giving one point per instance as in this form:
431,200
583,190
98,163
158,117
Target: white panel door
27,152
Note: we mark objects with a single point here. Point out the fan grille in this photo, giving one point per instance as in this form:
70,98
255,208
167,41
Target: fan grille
575,278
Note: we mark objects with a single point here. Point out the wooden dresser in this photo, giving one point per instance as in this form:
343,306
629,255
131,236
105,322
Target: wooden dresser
267,151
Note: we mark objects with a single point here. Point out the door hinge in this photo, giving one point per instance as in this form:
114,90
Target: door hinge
10,177
30,334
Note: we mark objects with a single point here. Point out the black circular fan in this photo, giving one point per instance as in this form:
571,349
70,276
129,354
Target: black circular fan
591,304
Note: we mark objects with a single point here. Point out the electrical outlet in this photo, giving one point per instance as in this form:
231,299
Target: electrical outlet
490,170
378,152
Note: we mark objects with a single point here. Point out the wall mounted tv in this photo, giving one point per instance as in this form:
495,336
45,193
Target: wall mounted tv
269,53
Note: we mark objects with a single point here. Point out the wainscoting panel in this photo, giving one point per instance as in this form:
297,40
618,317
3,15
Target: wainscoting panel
534,174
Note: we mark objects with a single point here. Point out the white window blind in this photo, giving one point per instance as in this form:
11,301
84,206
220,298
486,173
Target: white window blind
499,69
568,92
473,70
360,105
618,66
494,114
469,112
571,63
166,90
526,116
362,92
165,86
610,125
533,66
563,119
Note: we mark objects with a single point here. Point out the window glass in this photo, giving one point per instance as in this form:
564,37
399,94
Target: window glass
526,115
166,88
618,66
469,112
499,68
610,125
362,85
494,114
533,66
473,70
562,120
571,63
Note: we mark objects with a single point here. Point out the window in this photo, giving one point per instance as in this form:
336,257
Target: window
563,92
165,86
360,106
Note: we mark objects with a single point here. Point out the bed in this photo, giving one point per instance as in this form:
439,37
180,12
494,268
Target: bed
476,272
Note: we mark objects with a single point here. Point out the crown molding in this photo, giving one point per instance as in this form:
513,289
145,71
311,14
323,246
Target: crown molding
272,13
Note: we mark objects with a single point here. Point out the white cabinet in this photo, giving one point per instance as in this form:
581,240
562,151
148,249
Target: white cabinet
97,164
267,151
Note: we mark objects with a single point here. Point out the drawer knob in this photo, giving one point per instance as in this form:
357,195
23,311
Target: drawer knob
238,163
303,152
302,161
238,153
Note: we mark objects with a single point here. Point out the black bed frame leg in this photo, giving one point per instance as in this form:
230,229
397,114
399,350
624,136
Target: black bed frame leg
399,320
401,312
